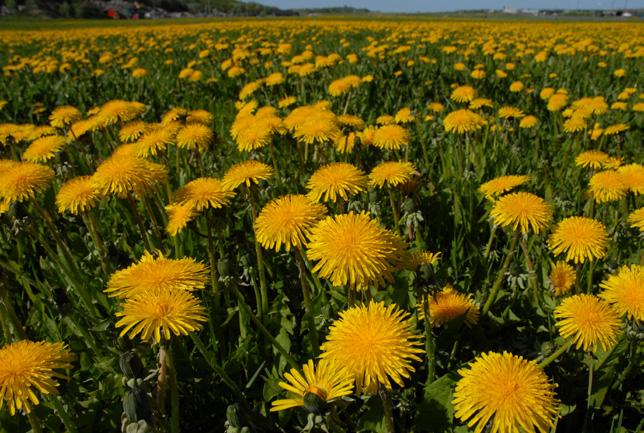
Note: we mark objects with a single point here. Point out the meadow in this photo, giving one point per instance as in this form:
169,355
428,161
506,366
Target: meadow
321,225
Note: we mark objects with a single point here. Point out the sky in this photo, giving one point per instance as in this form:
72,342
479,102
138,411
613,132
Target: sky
450,5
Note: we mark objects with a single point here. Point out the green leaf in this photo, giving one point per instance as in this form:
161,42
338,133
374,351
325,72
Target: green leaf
435,413
373,420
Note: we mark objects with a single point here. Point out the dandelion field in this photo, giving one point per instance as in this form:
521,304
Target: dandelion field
322,226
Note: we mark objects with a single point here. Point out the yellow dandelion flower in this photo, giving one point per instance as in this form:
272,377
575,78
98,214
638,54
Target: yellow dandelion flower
557,101
287,221
119,111
588,321
574,124
351,121
562,277
346,143
132,131
353,249
414,259
43,149
157,273
480,103
179,215
77,195
320,128
124,174
376,343
203,193
435,107
509,112
636,219
22,181
522,210
616,129
606,186
194,136
246,173
173,115
499,185
200,116
507,392
391,137
159,314
447,305
463,121
64,116
29,366
463,94
391,173
286,102
254,133
625,291
591,159
385,119
318,386
154,140
516,86
580,238
336,180
404,115
632,176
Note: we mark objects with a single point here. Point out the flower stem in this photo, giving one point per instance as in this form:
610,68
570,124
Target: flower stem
500,275
263,286
210,359
242,303
394,209
556,354
488,247
90,222
591,266
214,275
162,379
34,422
532,275
74,271
430,346
62,413
174,394
308,307
388,411
139,222
8,314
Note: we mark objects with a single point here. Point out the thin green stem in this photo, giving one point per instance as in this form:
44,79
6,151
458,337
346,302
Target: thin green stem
174,393
139,222
34,422
8,314
430,346
532,275
394,208
242,303
92,227
488,246
499,277
162,380
218,369
73,273
263,286
214,275
63,415
589,276
387,409
556,354
308,306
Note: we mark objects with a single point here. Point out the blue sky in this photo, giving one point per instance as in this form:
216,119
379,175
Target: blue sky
448,5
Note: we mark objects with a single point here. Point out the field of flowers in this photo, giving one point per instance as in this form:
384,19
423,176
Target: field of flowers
322,226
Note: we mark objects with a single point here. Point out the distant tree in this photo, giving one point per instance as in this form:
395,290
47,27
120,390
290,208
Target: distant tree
65,9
